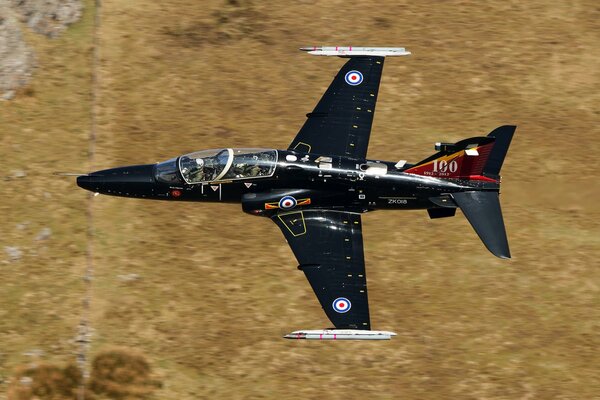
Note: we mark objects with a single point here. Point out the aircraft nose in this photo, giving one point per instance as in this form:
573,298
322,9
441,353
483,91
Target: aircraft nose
89,182
132,181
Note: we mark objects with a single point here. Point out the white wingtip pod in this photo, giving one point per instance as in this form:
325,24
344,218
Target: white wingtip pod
350,51
340,334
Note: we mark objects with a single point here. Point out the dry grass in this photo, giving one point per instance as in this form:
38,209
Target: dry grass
43,130
218,288
45,381
117,373
122,374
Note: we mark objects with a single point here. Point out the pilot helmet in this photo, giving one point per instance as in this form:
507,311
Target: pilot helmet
199,162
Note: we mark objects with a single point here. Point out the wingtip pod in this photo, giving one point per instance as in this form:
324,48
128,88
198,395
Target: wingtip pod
351,51
340,334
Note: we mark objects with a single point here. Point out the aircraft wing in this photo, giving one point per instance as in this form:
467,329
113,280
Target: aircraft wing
341,122
328,246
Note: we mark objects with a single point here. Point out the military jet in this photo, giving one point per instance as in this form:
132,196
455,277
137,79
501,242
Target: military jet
317,189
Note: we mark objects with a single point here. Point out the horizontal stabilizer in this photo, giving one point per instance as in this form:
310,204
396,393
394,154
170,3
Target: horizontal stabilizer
482,210
340,334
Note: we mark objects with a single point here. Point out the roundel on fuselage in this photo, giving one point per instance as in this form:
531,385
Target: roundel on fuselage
287,202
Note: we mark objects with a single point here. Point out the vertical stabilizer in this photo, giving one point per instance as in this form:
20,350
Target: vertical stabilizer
502,136
477,158
482,210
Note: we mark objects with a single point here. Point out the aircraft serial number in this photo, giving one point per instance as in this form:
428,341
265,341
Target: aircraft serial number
397,201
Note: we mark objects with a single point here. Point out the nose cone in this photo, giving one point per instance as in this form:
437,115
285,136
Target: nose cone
132,181
88,182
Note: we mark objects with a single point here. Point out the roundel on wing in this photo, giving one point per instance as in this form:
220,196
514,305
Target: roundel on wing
341,305
353,78
287,202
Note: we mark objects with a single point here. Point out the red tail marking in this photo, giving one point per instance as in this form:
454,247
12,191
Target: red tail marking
481,178
456,166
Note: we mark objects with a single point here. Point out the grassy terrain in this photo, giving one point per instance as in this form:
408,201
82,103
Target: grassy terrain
44,129
218,288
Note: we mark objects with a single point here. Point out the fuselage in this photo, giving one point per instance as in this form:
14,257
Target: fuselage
312,180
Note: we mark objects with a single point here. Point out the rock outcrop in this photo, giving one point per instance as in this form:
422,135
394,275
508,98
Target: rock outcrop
46,17
16,58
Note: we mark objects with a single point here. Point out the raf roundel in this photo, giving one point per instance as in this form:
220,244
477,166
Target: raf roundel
342,305
287,202
353,78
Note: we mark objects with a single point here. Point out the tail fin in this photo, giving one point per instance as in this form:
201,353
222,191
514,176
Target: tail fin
476,158
502,137
482,210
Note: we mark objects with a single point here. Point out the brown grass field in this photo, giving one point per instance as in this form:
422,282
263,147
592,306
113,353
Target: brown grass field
218,288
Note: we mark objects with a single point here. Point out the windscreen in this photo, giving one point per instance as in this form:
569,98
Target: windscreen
168,172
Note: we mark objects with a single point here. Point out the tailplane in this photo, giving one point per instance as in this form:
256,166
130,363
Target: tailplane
483,211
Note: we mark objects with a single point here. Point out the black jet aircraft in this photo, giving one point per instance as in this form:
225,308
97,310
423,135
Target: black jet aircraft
317,189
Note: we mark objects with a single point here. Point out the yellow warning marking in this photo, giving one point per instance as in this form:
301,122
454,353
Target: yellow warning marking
288,228
303,144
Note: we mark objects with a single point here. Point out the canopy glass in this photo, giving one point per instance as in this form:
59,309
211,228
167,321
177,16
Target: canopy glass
227,164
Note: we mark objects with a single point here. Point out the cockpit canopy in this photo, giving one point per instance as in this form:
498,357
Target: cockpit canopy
227,164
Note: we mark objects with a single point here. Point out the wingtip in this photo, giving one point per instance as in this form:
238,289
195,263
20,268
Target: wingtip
505,254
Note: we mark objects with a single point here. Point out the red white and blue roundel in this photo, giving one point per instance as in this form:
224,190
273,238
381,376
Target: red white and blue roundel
287,202
342,305
353,78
